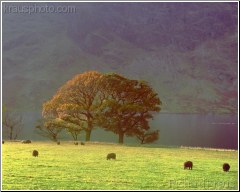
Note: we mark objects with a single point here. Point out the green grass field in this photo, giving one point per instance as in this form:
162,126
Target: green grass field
72,167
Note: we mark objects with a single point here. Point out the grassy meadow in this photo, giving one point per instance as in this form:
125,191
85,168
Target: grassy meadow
84,167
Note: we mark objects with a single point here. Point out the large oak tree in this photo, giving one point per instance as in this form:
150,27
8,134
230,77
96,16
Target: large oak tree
128,105
76,102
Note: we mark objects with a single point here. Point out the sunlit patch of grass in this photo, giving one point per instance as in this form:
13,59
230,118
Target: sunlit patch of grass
68,166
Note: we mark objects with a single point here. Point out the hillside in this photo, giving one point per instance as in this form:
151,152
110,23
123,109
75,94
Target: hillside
186,51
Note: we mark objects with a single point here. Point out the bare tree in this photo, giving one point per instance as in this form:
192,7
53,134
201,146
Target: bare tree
12,125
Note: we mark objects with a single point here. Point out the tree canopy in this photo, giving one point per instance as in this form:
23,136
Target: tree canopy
128,106
109,101
76,101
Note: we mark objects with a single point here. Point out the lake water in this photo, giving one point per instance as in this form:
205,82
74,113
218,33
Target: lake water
199,130
203,130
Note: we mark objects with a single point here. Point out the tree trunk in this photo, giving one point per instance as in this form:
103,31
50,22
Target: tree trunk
143,140
89,129
121,137
74,136
11,133
88,135
54,138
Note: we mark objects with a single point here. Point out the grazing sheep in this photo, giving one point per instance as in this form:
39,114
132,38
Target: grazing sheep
26,141
35,153
226,167
75,143
111,156
188,164
3,142
58,142
82,143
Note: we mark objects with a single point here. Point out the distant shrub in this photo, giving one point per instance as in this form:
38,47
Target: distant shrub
35,153
58,142
188,164
26,141
226,167
111,156
3,142
75,143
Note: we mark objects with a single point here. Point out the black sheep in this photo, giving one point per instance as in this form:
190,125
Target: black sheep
82,143
226,167
111,156
35,153
188,164
26,141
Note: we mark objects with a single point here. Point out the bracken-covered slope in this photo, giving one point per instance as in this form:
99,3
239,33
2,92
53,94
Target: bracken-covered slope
186,51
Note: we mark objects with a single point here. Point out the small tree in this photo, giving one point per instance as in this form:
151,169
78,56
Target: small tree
12,124
75,132
74,129
49,128
146,136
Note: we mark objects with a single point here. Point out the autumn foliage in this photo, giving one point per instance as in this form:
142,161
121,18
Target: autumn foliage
110,101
